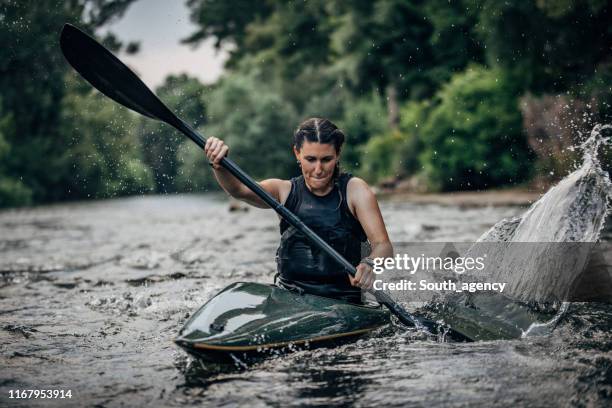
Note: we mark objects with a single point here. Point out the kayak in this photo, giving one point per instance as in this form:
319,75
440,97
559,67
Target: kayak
247,321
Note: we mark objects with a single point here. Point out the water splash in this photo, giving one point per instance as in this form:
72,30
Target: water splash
572,211
542,255
541,329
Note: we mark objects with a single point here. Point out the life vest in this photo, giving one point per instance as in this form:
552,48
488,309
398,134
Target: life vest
305,268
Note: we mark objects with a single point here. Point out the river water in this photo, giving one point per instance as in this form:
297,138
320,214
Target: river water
92,295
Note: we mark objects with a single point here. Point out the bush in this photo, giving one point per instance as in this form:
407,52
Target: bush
194,173
380,157
363,119
257,125
473,139
12,192
597,91
103,158
395,154
412,120
160,144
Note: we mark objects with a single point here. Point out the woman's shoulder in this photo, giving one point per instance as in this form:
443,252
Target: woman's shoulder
358,193
279,188
356,184
278,183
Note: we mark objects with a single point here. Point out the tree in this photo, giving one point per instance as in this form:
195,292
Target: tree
546,46
12,190
160,143
453,40
102,157
384,45
256,124
31,79
472,138
363,119
227,22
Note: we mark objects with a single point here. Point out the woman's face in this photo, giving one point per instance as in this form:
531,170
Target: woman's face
318,161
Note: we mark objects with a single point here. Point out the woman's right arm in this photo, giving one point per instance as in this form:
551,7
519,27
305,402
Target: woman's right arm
216,150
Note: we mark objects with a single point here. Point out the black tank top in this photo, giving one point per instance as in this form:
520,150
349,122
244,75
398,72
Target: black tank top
305,268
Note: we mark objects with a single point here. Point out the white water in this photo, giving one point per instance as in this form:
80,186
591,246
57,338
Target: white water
554,233
572,211
544,257
547,256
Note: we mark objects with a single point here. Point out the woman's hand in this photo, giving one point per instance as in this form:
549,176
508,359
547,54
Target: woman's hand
215,150
364,278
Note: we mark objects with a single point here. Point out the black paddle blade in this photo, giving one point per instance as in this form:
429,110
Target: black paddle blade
419,322
111,76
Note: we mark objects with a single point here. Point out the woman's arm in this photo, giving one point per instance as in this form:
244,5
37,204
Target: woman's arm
216,150
364,206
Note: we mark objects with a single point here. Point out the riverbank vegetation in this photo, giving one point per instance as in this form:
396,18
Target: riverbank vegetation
437,95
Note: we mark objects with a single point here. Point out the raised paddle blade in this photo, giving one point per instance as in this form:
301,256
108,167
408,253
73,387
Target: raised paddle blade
110,76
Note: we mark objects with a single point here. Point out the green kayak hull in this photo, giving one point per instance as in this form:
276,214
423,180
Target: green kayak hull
246,321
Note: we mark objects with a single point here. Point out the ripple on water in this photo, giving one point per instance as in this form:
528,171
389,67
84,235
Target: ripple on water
109,338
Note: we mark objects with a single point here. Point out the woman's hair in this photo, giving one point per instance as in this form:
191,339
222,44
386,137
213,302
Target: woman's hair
318,130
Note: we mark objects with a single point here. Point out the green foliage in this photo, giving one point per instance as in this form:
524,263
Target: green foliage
368,45
226,21
12,191
363,118
193,173
396,153
453,41
31,83
382,43
473,138
413,115
256,124
315,93
160,143
598,91
358,63
102,158
295,36
408,51
545,45
381,156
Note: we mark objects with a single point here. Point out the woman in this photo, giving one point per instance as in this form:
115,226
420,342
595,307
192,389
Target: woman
340,208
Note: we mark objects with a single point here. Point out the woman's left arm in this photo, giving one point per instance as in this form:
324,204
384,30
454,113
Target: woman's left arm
364,206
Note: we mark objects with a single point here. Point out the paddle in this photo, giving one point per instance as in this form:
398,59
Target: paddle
111,77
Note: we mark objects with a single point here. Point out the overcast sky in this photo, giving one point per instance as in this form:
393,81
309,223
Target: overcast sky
159,25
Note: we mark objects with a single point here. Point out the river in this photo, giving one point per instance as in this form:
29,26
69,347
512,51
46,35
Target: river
92,295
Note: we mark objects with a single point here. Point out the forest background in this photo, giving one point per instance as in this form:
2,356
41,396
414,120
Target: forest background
433,95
